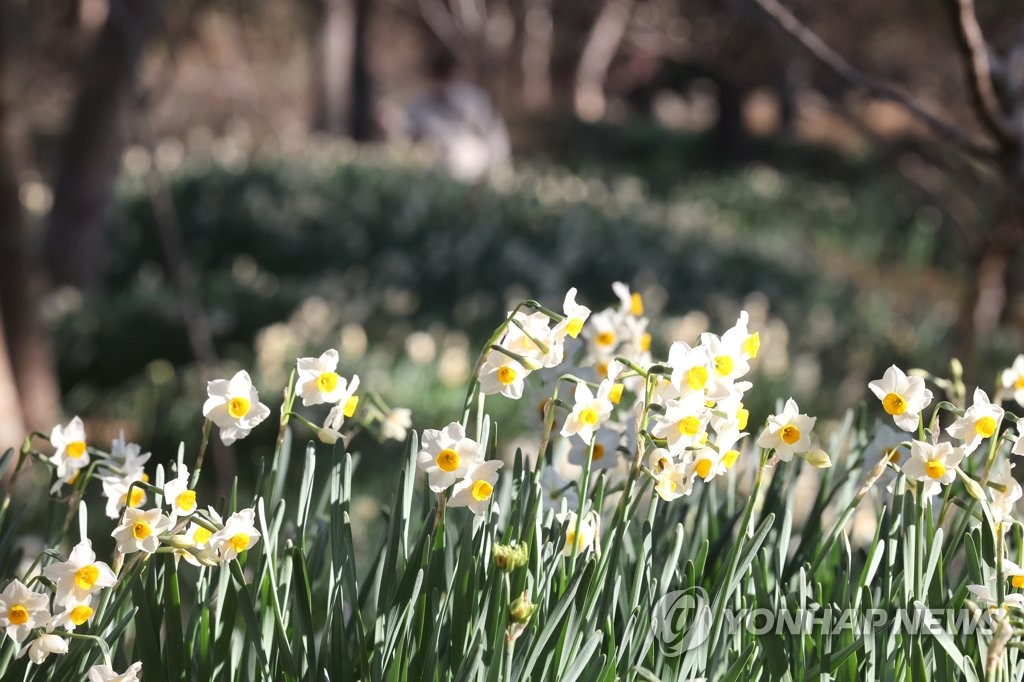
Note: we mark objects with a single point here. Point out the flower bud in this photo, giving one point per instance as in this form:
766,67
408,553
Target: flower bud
328,436
818,459
520,611
510,557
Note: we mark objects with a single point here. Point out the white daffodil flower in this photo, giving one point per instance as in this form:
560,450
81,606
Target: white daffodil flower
530,336
1004,493
178,496
738,335
575,316
630,302
140,530
70,453
582,541
234,406
116,490
40,648
788,433
1012,379
710,462
693,371
980,421
396,423
447,456
75,614
128,457
317,379
983,596
348,401
684,424
22,610
932,465
606,450
104,673
589,412
477,488
728,360
80,576
602,334
501,374
903,397
672,480
238,534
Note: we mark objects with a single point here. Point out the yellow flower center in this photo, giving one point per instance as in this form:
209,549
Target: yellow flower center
506,375
138,497
985,427
615,394
935,469
1019,383
703,467
752,345
202,535
80,614
327,382
697,377
239,542
75,449
723,365
86,577
894,404
18,615
789,434
602,369
636,305
893,454
141,530
730,457
645,342
688,426
186,501
574,327
742,416
598,452
447,460
350,406
606,338
238,407
1017,581
481,490
589,416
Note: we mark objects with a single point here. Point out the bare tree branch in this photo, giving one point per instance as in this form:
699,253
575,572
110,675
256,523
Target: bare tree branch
835,61
976,53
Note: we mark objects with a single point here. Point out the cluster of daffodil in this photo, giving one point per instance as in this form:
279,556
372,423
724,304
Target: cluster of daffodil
941,453
45,620
688,410
73,586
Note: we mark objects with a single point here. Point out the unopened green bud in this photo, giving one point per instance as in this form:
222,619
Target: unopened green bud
818,459
520,611
510,557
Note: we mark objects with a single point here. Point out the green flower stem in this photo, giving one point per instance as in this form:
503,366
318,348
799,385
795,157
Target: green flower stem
204,443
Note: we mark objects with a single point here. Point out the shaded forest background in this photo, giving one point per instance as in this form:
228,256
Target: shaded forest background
187,187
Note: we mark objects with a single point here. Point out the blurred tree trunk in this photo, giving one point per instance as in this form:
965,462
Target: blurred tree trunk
600,49
341,79
28,387
538,46
92,146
